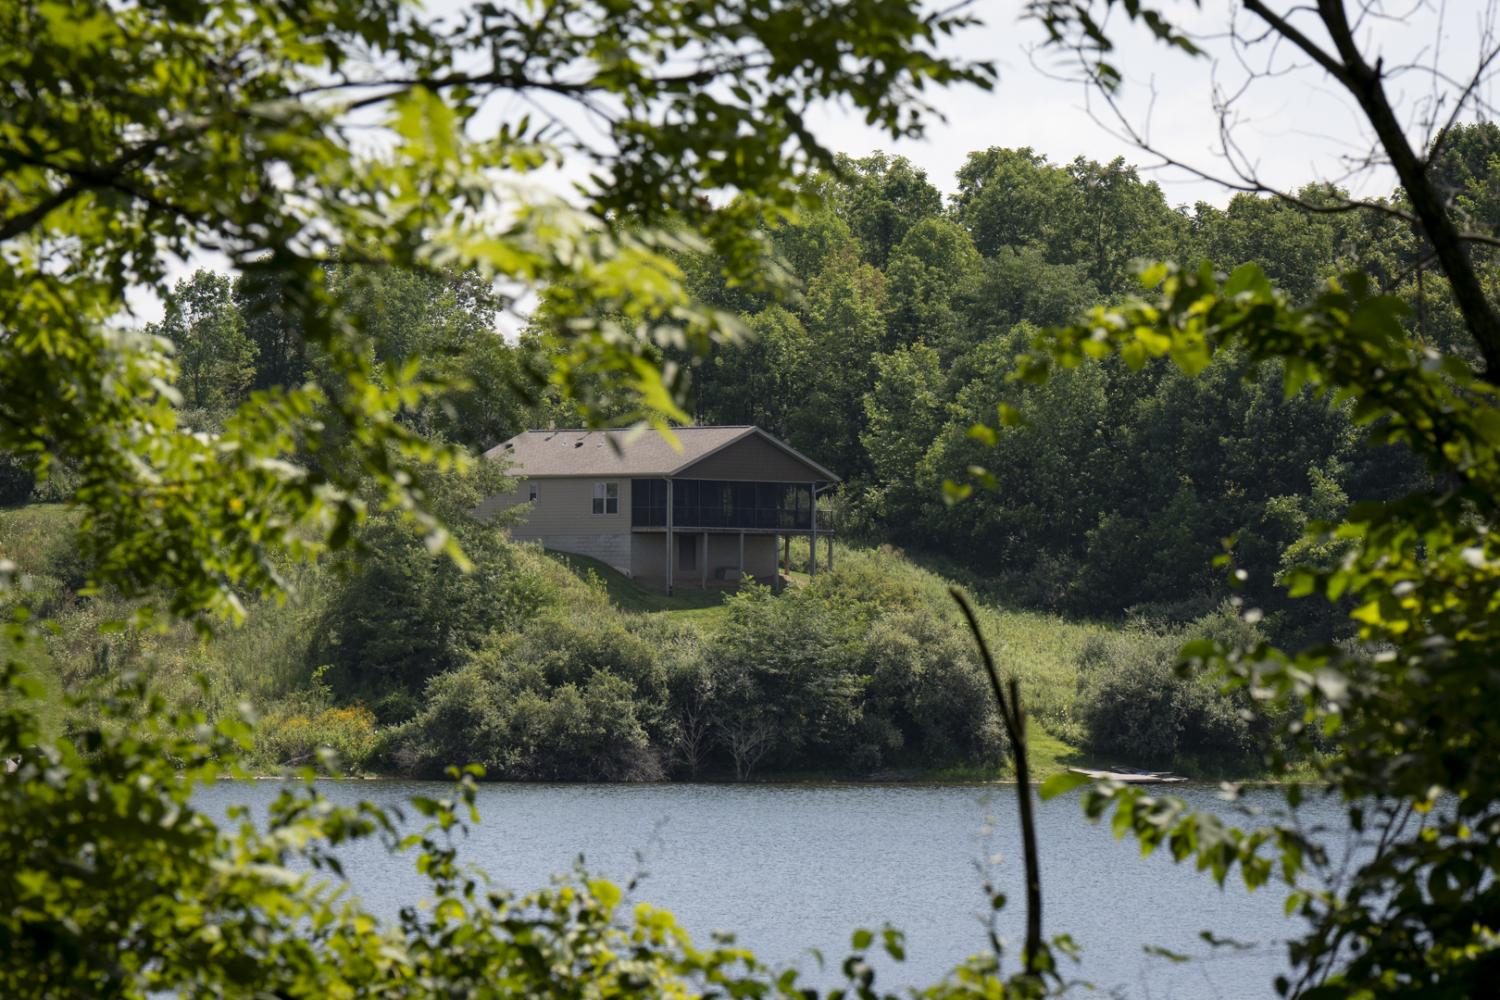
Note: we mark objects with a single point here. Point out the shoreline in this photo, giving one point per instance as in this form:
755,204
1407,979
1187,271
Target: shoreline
768,781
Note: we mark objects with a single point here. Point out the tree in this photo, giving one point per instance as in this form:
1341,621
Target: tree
446,322
882,198
215,360
135,131
1011,197
930,281
845,321
1409,703
903,415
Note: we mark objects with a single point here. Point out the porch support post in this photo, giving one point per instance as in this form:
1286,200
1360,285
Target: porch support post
812,548
670,554
703,563
742,557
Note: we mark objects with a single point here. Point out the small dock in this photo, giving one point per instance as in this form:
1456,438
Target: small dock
1130,777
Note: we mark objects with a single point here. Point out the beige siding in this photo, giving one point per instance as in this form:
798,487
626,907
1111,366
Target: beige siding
750,459
565,507
562,518
490,506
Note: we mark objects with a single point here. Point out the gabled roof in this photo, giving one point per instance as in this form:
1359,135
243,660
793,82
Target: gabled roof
634,452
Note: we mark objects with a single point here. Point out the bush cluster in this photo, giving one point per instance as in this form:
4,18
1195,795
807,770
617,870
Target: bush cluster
1138,704
533,668
847,675
294,738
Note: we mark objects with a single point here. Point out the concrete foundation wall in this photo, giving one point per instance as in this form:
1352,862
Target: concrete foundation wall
612,550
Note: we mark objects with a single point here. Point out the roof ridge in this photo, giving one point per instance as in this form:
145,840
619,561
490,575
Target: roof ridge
625,430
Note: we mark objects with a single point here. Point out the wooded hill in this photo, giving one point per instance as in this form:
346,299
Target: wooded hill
1109,502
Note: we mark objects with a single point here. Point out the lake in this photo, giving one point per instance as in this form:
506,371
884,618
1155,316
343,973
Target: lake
794,867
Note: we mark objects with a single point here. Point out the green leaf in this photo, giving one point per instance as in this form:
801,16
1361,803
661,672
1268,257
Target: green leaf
1249,278
1010,416
1061,783
983,434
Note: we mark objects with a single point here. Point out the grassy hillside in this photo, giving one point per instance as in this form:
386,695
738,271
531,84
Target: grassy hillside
704,607
1043,650
584,618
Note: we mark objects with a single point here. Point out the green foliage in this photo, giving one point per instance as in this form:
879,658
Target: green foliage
520,724
1138,706
882,198
215,359
402,616
1405,703
132,141
854,672
1120,486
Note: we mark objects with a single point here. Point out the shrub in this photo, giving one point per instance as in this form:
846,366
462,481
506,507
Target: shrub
785,687
926,683
820,678
505,714
1137,703
570,647
405,616
294,739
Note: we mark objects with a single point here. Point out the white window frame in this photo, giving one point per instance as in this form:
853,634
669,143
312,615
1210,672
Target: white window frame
606,499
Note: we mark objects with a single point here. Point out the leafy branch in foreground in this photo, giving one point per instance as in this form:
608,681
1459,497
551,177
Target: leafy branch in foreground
288,136
1408,705
118,884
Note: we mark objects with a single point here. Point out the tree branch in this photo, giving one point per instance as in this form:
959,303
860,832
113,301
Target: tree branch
1363,82
1014,721
82,180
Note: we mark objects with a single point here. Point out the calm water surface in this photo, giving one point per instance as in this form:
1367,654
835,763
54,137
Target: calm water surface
789,868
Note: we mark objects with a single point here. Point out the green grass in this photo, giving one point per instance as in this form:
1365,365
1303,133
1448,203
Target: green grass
703,607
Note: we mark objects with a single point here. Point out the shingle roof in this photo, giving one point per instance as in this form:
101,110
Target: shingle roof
633,452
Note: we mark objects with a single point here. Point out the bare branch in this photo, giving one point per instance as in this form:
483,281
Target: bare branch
1014,721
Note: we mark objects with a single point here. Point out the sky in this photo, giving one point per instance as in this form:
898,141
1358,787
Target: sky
1292,128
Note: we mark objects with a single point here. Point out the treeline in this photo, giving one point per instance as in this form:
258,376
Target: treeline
1113,498
1122,486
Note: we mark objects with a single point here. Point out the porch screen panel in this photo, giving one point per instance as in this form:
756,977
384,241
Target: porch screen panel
648,503
710,503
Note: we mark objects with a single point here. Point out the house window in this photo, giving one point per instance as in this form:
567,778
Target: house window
606,498
531,491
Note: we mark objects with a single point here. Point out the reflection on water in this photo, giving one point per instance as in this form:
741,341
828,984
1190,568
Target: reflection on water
791,868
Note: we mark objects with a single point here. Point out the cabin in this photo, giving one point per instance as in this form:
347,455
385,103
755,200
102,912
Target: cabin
719,508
